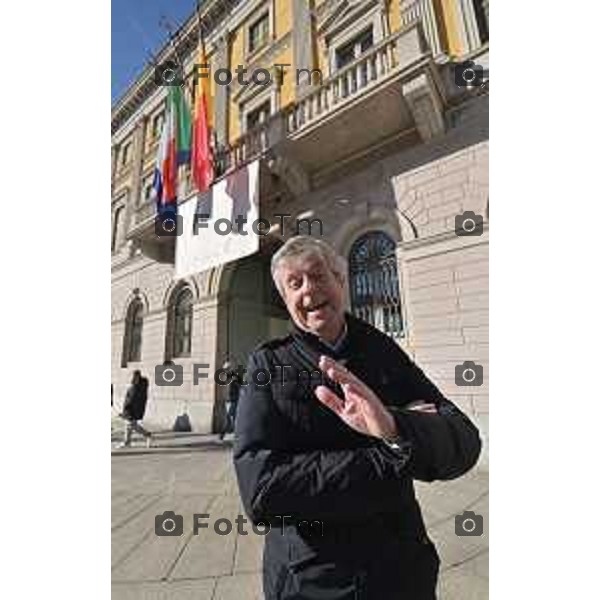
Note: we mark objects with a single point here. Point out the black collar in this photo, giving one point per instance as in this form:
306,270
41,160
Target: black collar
316,344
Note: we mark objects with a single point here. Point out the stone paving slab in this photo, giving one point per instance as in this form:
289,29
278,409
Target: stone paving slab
155,557
183,590
441,502
210,554
248,587
193,474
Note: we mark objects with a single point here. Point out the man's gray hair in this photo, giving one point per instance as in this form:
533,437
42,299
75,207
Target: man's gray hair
302,246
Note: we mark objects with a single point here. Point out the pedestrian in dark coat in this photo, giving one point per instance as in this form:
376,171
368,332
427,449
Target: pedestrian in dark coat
233,394
134,408
336,437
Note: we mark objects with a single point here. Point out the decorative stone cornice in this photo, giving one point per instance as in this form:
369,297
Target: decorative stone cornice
332,16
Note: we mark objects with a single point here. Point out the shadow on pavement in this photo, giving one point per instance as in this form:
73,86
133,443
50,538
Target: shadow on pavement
173,444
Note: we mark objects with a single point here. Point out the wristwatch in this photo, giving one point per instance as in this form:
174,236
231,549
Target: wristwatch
395,442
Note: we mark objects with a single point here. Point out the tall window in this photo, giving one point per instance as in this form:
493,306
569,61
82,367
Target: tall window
258,33
374,284
117,215
132,343
157,123
354,48
258,115
125,155
148,188
348,53
180,330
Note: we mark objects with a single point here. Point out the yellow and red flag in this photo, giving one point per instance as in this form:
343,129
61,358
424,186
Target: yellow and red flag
202,150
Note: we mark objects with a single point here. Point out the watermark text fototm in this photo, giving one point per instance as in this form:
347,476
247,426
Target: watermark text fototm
171,524
170,73
171,374
171,225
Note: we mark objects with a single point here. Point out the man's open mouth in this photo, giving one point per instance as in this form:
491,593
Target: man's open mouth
316,307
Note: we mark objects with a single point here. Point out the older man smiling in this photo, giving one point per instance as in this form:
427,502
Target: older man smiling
345,449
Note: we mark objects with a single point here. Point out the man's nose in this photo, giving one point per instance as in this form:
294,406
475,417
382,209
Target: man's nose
308,286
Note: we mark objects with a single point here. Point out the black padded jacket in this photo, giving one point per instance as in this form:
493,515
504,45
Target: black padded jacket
343,518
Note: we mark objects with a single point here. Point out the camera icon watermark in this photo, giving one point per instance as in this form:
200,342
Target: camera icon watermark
468,524
168,73
469,74
168,524
168,224
468,374
469,223
169,374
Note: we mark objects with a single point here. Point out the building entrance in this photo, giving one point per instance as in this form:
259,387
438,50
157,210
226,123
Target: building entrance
255,312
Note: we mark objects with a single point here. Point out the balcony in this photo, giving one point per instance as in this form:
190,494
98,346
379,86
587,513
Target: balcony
142,235
389,92
256,142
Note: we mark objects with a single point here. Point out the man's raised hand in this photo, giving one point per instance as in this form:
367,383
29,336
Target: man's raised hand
361,409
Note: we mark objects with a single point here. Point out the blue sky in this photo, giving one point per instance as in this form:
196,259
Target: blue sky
135,31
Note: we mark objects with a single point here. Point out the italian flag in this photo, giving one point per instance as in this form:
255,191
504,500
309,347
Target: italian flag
173,150
202,152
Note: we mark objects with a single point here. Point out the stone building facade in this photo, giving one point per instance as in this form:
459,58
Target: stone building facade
385,149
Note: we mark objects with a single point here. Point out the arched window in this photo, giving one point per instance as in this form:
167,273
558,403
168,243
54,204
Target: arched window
374,284
180,321
132,342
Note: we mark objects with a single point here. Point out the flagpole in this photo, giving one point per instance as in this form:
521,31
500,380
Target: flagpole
165,24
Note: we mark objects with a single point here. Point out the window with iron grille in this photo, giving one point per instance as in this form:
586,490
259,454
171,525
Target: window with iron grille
134,323
374,283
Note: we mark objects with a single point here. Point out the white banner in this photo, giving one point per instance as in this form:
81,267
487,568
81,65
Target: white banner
219,226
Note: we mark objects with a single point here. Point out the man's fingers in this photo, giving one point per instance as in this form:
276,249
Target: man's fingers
336,372
329,399
348,412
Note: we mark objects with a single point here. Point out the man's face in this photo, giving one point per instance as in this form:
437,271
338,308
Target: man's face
313,295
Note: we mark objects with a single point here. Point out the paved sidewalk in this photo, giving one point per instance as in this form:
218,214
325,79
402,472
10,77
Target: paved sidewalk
194,474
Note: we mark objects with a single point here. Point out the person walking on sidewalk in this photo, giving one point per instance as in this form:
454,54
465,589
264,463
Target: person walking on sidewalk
231,404
134,408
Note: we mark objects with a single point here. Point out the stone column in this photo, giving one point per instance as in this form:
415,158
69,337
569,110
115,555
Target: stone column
302,40
413,10
467,25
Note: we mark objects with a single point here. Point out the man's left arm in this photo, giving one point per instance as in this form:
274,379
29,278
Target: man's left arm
446,443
